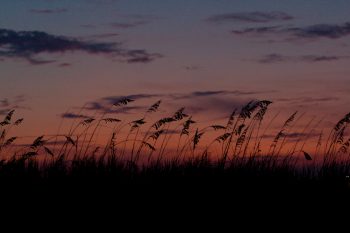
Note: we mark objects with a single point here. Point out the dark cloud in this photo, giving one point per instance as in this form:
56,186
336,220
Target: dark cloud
114,99
28,44
218,105
308,100
105,108
317,31
278,58
140,56
49,11
251,17
74,116
110,100
106,104
36,61
258,30
331,31
294,136
218,102
198,94
272,58
315,58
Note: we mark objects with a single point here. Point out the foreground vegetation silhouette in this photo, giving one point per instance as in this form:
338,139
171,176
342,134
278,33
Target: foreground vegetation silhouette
142,160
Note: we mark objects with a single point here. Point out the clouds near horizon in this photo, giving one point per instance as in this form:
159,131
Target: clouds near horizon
316,31
250,17
221,102
279,58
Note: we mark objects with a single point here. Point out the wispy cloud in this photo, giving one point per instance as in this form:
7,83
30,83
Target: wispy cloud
308,100
70,115
197,94
317,31
279,58
295,136
251,17
49,11
16,102
220,102
105,108
105,104
27,45
331,31
259,30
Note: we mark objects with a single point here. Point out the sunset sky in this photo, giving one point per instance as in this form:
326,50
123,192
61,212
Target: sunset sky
210,56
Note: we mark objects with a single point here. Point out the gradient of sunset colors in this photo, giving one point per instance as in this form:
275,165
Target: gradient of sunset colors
210,56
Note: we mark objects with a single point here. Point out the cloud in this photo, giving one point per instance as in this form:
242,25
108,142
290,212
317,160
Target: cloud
49,11
308,99
35,61
198,94
74,116
114,99
278,58
139,56
258,30
27,45
217,105
219,102
6,105
294,136
317,31
105,104
331,31
103,107
251,17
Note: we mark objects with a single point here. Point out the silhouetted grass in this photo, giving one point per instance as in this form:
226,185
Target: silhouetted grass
138,154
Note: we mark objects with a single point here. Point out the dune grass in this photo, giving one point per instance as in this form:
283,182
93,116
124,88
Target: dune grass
142,153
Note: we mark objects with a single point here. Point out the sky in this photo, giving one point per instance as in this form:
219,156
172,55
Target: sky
211,56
